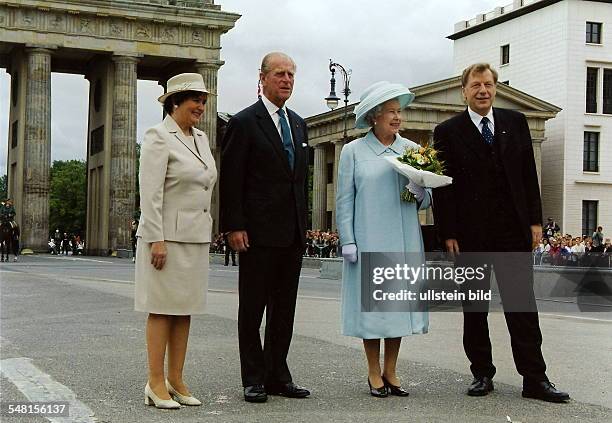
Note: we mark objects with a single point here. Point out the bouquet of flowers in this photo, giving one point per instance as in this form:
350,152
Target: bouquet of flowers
422,166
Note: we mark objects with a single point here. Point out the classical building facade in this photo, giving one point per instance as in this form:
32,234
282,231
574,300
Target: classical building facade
434,103
113,44
561,52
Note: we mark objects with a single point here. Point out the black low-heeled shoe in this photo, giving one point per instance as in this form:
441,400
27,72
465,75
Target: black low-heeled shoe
381,392
398,391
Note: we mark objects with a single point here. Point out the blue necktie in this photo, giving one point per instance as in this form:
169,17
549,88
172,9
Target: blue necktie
486,131
286,134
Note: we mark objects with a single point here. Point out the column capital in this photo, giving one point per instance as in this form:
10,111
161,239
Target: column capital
213,65
125,58
37,49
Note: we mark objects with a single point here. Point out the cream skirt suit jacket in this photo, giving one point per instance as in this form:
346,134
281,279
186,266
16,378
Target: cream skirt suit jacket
177,177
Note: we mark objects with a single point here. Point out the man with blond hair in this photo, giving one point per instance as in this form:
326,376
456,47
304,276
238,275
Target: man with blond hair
488,153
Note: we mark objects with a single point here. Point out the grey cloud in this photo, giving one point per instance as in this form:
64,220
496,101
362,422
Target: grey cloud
397,40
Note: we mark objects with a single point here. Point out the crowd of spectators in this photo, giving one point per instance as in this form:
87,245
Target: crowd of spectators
323,244
557,249
66,244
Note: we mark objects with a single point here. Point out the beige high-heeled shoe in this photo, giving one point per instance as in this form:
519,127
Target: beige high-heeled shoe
182,399
157,401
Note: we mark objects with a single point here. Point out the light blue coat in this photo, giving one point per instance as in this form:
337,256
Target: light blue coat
371,215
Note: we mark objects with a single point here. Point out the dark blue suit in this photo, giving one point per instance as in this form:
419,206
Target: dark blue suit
262,195
493,201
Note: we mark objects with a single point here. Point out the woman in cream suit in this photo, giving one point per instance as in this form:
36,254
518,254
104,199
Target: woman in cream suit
177,176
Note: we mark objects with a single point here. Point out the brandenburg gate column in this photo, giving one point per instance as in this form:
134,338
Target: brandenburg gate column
208,124
37,146
319,189
123,153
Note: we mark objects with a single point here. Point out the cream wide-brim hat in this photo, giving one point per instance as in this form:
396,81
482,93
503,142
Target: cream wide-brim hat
376,94
184,82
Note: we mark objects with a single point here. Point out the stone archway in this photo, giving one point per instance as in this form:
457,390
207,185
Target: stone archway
113,44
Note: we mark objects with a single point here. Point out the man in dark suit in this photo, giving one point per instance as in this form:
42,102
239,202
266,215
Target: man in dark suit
488,153
263,189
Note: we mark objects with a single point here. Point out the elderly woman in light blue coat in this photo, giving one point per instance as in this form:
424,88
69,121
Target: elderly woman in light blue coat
371,217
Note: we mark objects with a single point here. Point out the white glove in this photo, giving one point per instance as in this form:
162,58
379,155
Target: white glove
417,190
349,252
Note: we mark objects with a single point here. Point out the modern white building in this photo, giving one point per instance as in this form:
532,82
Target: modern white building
561,52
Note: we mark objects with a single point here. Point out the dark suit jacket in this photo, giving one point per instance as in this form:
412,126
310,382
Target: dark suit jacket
459,208
259,191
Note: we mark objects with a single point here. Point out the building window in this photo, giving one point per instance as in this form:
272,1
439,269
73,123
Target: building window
330,173
593,32
328,217
505,54
607,91
589,217
590,155
591,90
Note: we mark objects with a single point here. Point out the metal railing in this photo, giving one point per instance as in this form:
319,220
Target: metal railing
593,259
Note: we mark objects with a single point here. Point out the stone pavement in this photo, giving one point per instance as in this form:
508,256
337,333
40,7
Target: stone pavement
76,324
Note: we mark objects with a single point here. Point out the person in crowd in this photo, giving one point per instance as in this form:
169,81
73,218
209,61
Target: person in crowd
578,251
7,211
57,240
477,147
133,237
565,254
7,220
228,251
372,217
598,240
177,177
65,244
16,240
551,228
264,203
555,252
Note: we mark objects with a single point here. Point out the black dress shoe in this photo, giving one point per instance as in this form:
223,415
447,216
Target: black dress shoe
480,387
255,393
544,391
289,390
381,392
398,391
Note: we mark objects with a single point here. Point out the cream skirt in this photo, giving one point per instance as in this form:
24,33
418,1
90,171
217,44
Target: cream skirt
180,287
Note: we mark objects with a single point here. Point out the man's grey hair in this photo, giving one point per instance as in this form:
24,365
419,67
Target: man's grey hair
265,62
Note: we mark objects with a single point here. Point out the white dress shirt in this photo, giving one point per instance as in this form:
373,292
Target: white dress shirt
273,110
476,118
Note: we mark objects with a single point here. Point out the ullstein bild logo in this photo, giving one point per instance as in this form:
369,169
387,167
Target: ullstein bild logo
413,275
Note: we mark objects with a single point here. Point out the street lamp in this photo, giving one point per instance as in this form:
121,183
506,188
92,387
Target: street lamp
333,100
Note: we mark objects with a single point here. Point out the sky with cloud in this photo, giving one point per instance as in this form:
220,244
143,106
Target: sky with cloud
395,40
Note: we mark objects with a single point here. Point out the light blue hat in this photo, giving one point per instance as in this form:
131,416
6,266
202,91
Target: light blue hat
376,94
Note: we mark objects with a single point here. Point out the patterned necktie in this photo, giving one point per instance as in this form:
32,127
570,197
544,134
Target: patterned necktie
286,134
486,131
